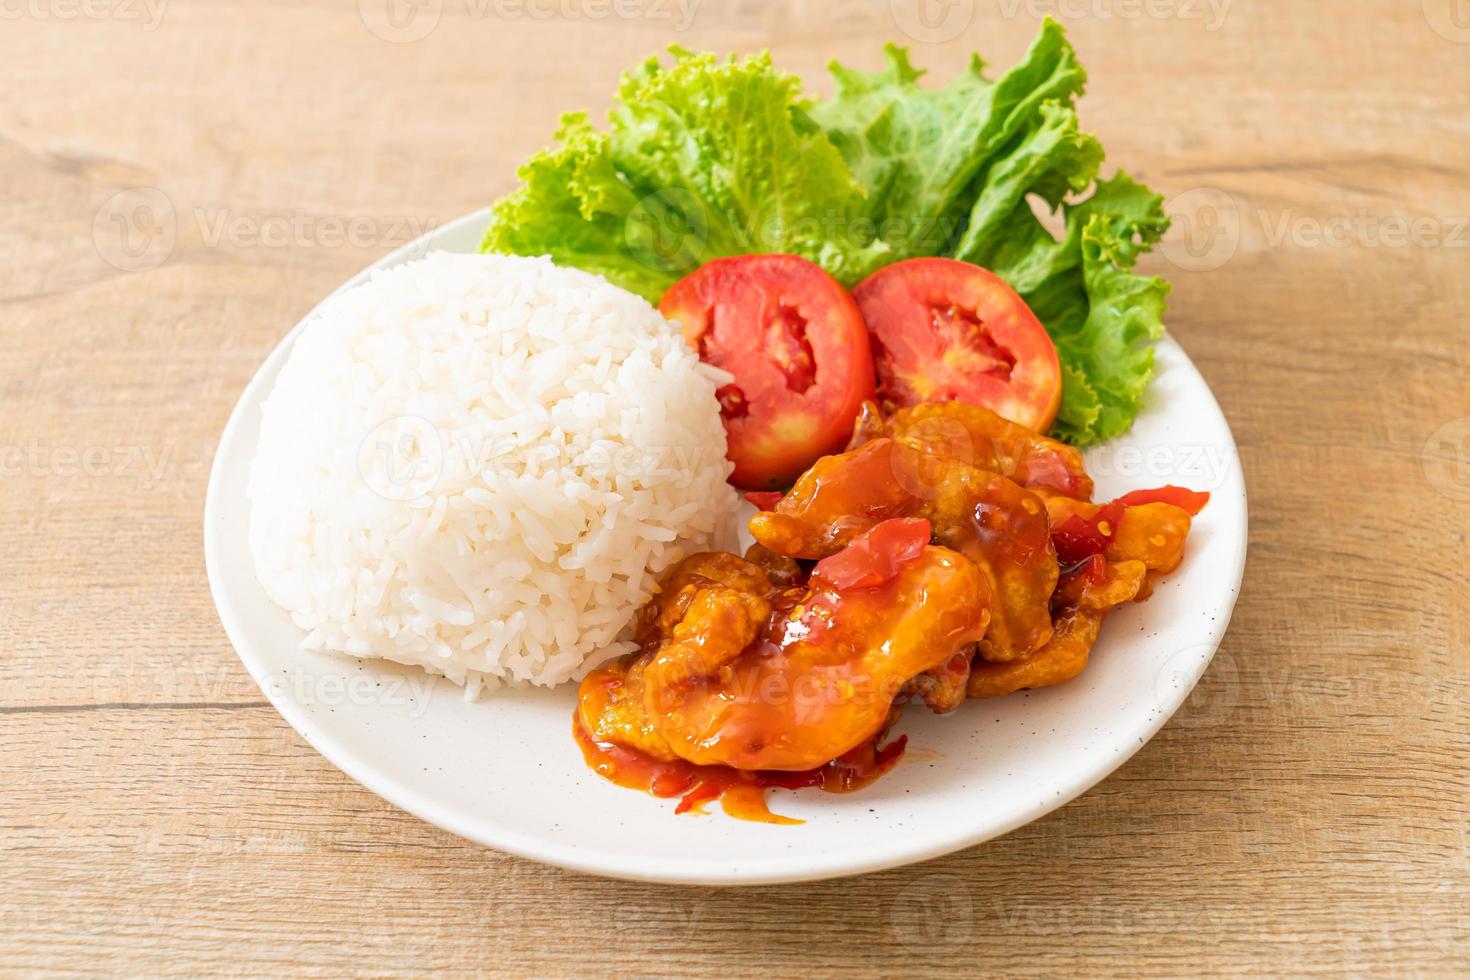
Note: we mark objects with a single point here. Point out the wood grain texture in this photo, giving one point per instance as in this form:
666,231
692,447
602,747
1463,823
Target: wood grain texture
1305,813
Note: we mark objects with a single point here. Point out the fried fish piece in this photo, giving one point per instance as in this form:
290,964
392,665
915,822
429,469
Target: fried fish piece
1153,533
983,439
998,525
757,677
942,689
1088,595
1060,659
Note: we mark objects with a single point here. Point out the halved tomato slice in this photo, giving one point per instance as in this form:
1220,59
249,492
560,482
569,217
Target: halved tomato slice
945,330
798,349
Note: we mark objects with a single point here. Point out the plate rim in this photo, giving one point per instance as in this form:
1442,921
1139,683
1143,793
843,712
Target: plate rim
812,866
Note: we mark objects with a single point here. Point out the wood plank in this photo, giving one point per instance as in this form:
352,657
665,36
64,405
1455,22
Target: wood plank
1307,812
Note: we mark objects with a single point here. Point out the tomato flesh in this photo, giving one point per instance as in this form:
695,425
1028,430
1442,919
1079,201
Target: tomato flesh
946,330
1190,501
764,499
798,349
874,557
1079,538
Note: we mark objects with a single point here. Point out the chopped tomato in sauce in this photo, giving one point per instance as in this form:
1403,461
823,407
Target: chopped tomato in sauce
874,557
1079,538
741,794
1191,501
764,499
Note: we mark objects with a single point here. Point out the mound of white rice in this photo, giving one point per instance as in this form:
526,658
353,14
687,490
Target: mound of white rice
480,464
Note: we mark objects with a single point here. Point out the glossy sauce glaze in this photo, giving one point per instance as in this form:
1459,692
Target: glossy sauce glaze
1000,526
741,794
787,679
897,570
743,684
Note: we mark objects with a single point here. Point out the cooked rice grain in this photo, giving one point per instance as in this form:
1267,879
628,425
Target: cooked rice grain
480,464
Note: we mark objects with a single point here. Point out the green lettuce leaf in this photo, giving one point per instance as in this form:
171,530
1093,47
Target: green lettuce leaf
709,157
1103,317
703,158
922,153
971,164
574,206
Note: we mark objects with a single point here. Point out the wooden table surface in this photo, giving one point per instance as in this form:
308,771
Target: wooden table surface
181,181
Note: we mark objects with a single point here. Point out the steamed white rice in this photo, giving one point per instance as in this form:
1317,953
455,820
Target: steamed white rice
479,465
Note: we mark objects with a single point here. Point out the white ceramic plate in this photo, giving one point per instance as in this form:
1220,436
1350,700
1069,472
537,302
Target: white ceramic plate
506,773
